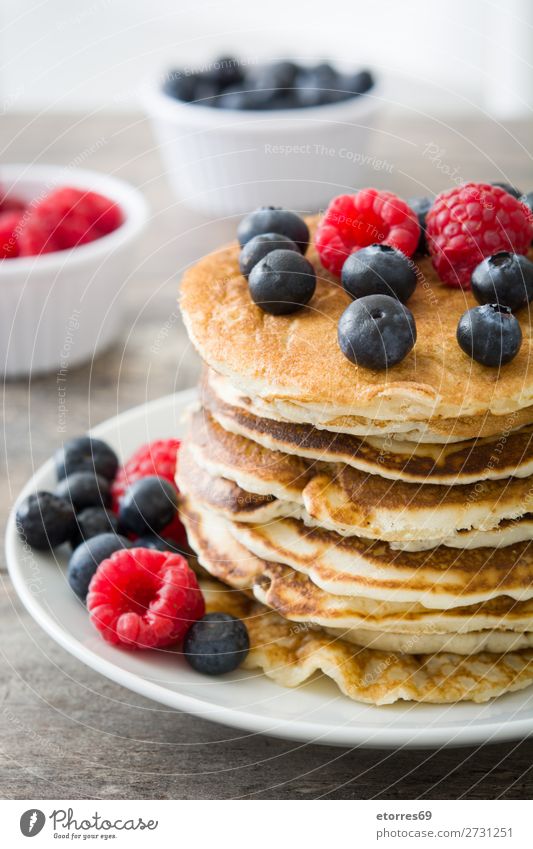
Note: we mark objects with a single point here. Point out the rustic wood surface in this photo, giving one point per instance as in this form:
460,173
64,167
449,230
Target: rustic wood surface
66,731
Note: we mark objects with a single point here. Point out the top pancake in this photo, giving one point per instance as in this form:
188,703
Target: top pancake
296,358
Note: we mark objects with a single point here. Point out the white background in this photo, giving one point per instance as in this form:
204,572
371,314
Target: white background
439,56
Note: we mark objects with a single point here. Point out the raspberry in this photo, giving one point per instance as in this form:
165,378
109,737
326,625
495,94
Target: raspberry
9,231
470,222
36,237
142,598
366,218
68,217
156,458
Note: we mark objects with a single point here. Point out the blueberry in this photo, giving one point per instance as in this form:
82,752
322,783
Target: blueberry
86,454
260,246
91,522
527,199
216,644
84,489
282,282
379,270
376,332
318,85
86,558
206,89
490,334
273,219
226,71
180,85
507,187
44,520
504,278
421,207
157,543
271,83
358,83
147,506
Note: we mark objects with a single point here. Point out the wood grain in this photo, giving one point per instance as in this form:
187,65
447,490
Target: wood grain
68,732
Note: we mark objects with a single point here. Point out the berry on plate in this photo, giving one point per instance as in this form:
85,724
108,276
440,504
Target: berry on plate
216,644
273,219
84,489
505,279
282,282
158,543
376,332
86,558
147,506
91,522
490,334
368,217
44,520
142,598
258,247
470,222
507,187
157,458
86,454
421,205
379,270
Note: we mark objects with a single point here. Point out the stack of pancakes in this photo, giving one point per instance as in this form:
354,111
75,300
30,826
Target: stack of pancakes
376,525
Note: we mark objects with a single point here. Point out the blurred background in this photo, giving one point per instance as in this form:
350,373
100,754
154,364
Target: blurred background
436,57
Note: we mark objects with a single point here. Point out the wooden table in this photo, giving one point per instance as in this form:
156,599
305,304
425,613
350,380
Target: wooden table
66,731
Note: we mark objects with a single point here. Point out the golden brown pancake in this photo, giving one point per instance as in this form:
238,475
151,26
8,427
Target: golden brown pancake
442,580
436,430
231,501
292,655
297,359
296,597
464,462
344,499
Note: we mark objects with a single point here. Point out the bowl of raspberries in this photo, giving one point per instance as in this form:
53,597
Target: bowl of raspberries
66,253
232,127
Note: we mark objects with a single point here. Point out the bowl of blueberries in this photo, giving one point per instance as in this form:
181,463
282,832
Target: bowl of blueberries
227,129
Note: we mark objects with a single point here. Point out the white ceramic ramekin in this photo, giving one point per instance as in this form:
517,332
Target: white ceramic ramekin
60,309
225,162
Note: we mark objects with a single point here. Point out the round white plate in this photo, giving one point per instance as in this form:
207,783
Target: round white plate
315,712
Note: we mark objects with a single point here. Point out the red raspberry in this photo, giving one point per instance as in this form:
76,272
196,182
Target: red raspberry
9,203
156,458
366,218
9,231
36,237
68,217
143,598
470,222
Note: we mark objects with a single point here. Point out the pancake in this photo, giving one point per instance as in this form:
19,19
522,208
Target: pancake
295,597
496,642
431,431
231,501
508,532
349,566
225,496
510,455
291,656
344,499
295,360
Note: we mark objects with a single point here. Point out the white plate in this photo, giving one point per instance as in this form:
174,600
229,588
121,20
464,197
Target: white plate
315,712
